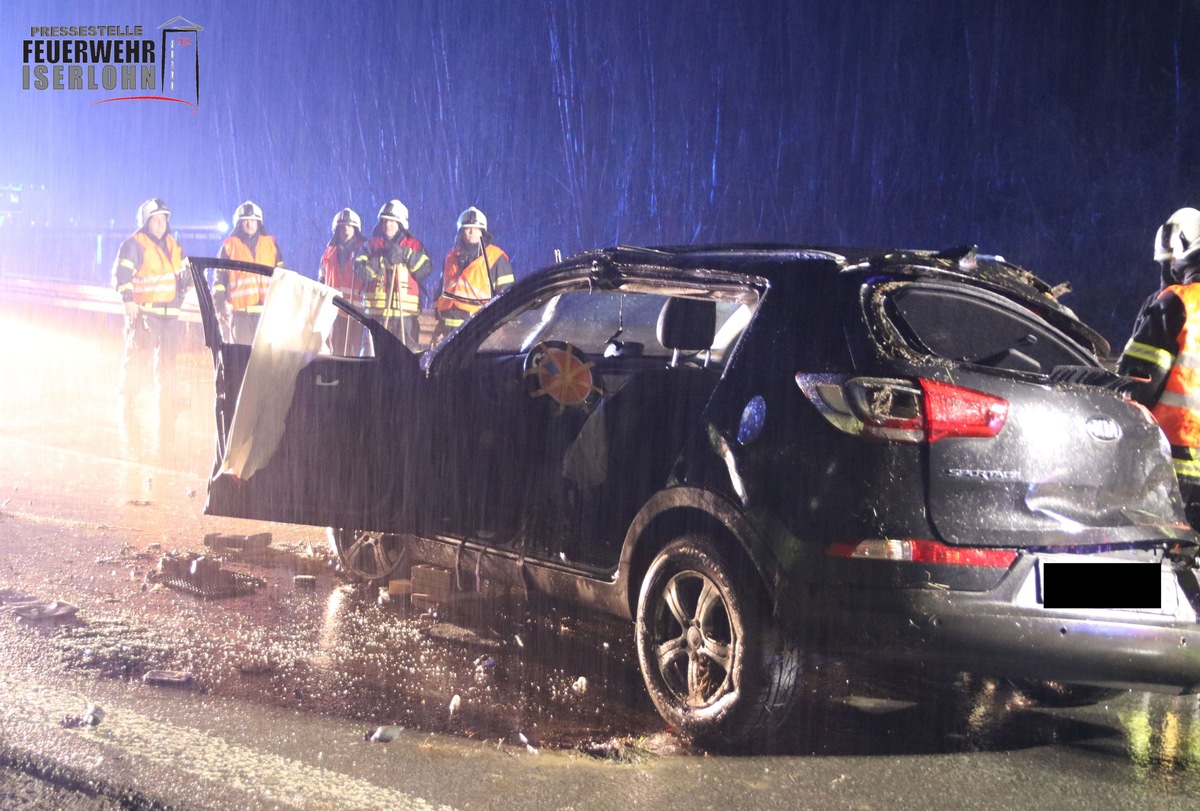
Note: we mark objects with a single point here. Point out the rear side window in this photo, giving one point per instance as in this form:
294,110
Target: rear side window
974,326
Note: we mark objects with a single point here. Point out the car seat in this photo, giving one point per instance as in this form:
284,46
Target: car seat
626,450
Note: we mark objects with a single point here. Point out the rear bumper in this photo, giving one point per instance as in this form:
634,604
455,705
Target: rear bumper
998,633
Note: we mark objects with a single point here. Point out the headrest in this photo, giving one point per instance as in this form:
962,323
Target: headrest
687,324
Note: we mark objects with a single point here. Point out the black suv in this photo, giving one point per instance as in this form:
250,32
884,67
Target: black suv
755,453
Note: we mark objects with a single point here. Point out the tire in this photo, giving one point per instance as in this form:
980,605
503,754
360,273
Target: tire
1063,694
368,556
715,663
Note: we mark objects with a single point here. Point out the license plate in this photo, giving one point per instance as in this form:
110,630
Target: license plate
1100,584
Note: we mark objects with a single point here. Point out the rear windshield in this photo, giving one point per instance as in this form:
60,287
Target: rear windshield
977,327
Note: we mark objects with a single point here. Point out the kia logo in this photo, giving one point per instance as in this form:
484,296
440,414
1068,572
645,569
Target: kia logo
1103,429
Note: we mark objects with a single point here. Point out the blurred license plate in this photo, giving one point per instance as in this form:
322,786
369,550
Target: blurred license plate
1071,584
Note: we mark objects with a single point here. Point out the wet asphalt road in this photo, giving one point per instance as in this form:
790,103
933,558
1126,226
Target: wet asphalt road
288,680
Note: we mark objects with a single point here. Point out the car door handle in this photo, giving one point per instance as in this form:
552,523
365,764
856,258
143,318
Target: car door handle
322,382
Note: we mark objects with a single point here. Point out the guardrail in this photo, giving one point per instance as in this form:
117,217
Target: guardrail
106,301
89,298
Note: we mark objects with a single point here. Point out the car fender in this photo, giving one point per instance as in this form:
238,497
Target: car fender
675,510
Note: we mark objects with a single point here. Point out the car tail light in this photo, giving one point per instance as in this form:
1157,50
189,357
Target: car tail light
904,411
921,551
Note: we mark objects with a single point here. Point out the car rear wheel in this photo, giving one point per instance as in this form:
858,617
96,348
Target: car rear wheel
1063,694
368,556
714,662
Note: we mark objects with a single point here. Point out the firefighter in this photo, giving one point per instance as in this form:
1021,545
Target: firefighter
337,271
148,273
475,270
391,267
1163,356
239,295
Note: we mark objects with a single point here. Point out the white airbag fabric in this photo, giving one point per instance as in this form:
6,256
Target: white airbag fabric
296,321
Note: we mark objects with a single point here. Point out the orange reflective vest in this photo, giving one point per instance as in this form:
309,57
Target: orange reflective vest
395,291
154,280
1178,407
472,288
248,291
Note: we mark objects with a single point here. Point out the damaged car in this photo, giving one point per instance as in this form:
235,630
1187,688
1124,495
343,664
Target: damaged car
758,455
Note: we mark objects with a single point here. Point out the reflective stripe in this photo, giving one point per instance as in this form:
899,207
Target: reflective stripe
504,280
402,296
1177,400
1159,358
454,322
125,263
1190,360
1186,468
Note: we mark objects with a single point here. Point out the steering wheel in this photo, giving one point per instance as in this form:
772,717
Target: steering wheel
563,374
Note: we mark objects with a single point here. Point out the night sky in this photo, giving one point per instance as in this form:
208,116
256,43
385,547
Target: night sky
1058,134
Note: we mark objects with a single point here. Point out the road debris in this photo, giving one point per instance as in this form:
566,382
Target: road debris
256,667
485,670
55,609
93,715
530,748
243,543
307,581
170,678
454,703
203,576
449,632
385,734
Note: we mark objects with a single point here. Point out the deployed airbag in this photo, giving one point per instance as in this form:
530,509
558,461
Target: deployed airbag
296,321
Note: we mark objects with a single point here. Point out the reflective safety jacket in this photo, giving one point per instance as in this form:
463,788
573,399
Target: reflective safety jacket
146,272
1165,349
337,269
246,292
392,271
1178,407
465,289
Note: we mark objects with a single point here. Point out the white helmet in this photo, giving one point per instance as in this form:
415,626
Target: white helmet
347,216
472,217
149,208
246,211
1175,236
395,210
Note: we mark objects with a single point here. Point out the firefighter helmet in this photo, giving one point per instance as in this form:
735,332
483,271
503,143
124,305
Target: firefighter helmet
472,217
1175,236
395,210
246,211
347,216
149,208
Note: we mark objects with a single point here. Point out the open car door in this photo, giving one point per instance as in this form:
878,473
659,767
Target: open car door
305,436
